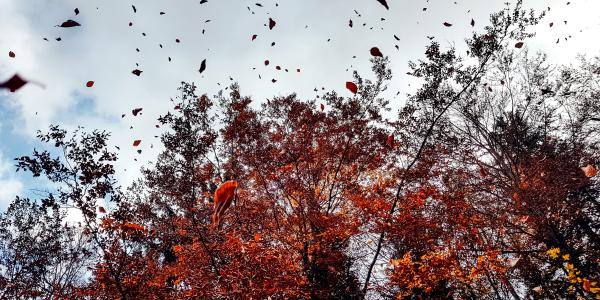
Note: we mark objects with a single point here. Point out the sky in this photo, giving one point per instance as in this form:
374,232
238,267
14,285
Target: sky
311,35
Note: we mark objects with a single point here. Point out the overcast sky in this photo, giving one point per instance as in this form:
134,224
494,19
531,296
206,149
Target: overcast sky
311,35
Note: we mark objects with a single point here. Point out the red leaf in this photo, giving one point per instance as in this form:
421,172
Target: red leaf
136,111
519,45
266,62
375,52
101,209
89,84
322,107
137,72
447,24
352,87
254,36
271,23
14,83
11,54
136,143
69,23
390,141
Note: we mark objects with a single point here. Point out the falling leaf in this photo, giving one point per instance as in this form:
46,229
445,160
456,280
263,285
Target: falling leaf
177,41
273,80
136,143
271,23
89,83
203,1
352,87
101,209
278,68
135,111
11,54
76,11
384,3
137,72
134,9
397,38
519,45
162,13
202,66
266,62
589,171
350,23
322,107
14,83
254,36
551,24
447,24
472,23
69,23
375,52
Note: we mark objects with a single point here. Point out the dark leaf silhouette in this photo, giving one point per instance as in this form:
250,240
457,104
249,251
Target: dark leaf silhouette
203,1
135,111
14,83
254,36
69,23
447,24
266,62
472,23
136,143
519,45
352,87
202,66
89,83
134,9
375,52
76,11
11,54
384,3
137,72
271,23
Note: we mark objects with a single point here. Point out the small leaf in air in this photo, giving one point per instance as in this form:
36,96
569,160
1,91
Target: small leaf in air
202,66
352,87
69,23
271,23
375,52
136,111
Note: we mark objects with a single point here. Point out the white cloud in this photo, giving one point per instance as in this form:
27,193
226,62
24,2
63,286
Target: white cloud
10,186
